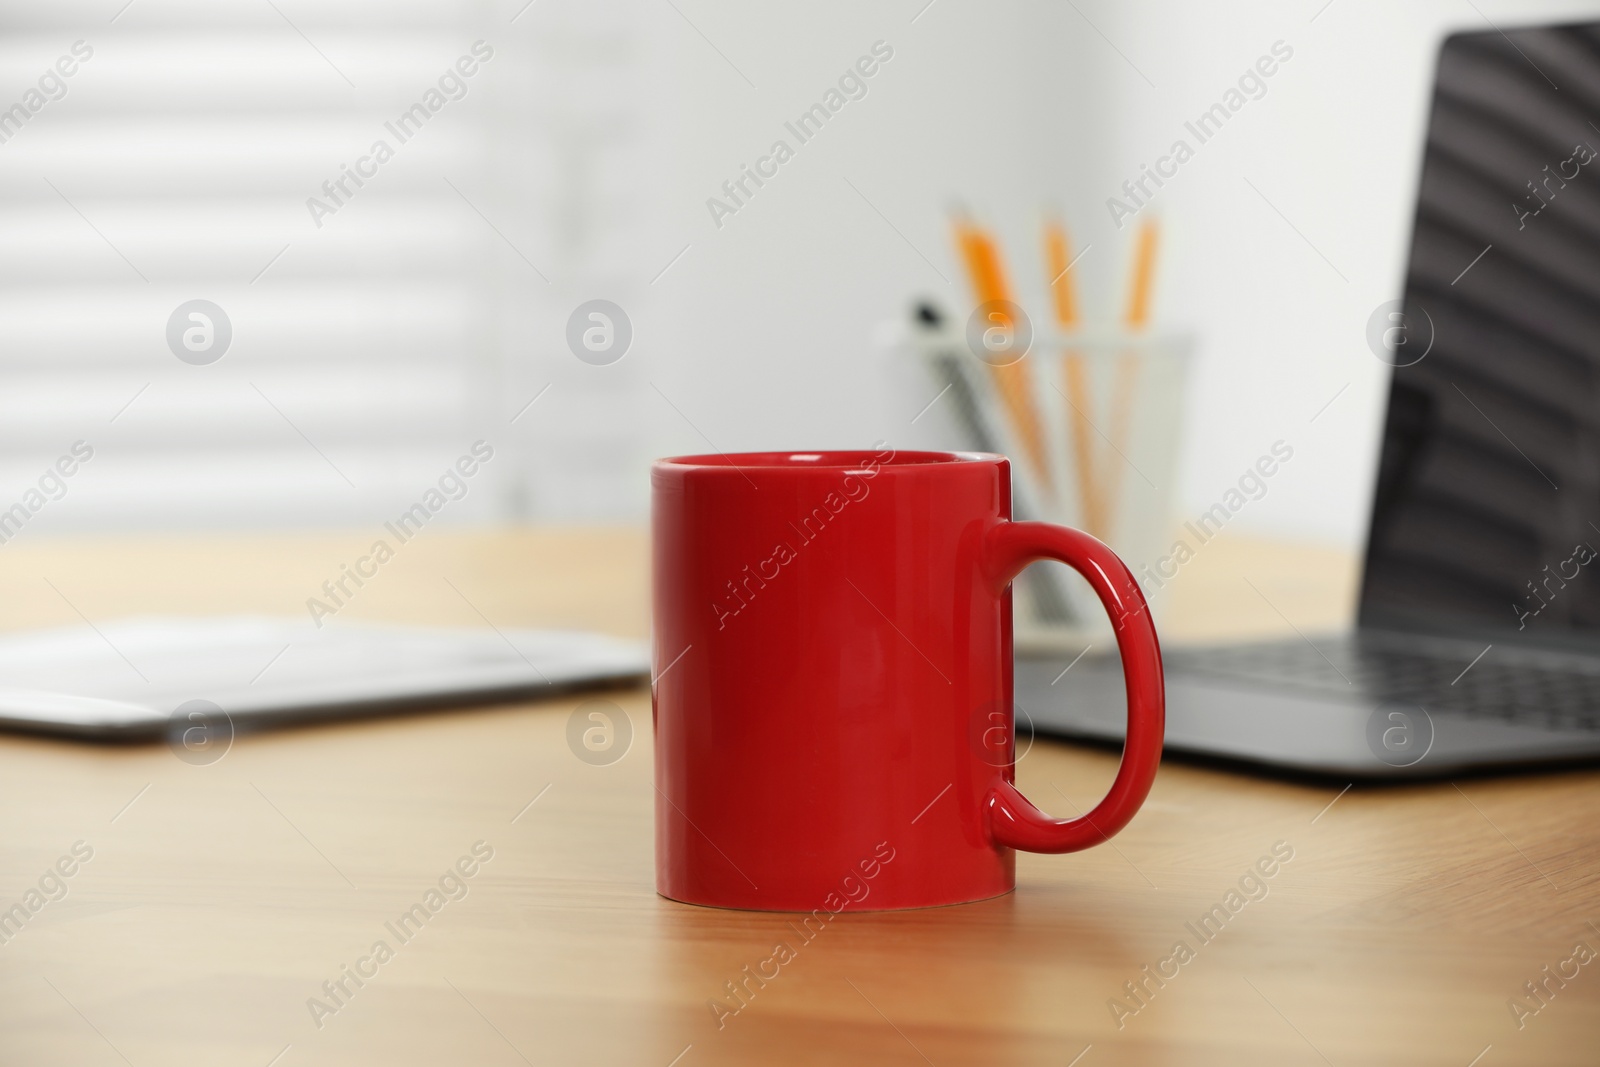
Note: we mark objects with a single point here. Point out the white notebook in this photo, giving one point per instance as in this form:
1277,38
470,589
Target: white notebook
125,679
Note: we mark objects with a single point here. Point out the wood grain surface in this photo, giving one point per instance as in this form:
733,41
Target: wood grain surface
219,899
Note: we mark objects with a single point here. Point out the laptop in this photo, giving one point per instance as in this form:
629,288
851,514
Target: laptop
1477,643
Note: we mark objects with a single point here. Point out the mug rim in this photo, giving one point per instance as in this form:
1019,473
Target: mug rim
802,461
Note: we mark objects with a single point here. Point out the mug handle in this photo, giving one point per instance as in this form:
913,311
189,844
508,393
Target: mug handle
1013,820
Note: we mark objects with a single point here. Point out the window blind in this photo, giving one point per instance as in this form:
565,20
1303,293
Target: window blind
388,306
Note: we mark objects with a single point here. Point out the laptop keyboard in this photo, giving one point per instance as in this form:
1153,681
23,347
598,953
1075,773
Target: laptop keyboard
1516,691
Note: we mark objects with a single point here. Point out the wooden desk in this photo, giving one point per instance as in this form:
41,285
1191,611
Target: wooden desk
219,898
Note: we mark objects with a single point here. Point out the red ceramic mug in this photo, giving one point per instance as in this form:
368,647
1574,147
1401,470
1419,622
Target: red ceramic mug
832,659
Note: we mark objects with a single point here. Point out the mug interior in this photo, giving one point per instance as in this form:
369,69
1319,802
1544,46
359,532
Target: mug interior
827,460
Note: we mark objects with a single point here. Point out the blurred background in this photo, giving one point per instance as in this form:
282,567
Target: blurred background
374,339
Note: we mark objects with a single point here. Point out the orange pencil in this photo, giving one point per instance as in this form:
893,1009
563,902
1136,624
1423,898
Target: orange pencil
1136,320
1144,269
989,284
1077,381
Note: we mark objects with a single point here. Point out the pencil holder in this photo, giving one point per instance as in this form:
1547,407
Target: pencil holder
1092,424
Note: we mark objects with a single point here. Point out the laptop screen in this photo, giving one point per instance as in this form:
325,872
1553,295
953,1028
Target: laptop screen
1486,517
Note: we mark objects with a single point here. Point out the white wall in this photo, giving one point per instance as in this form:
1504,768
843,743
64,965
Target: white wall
1335,145
765,331
594,143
